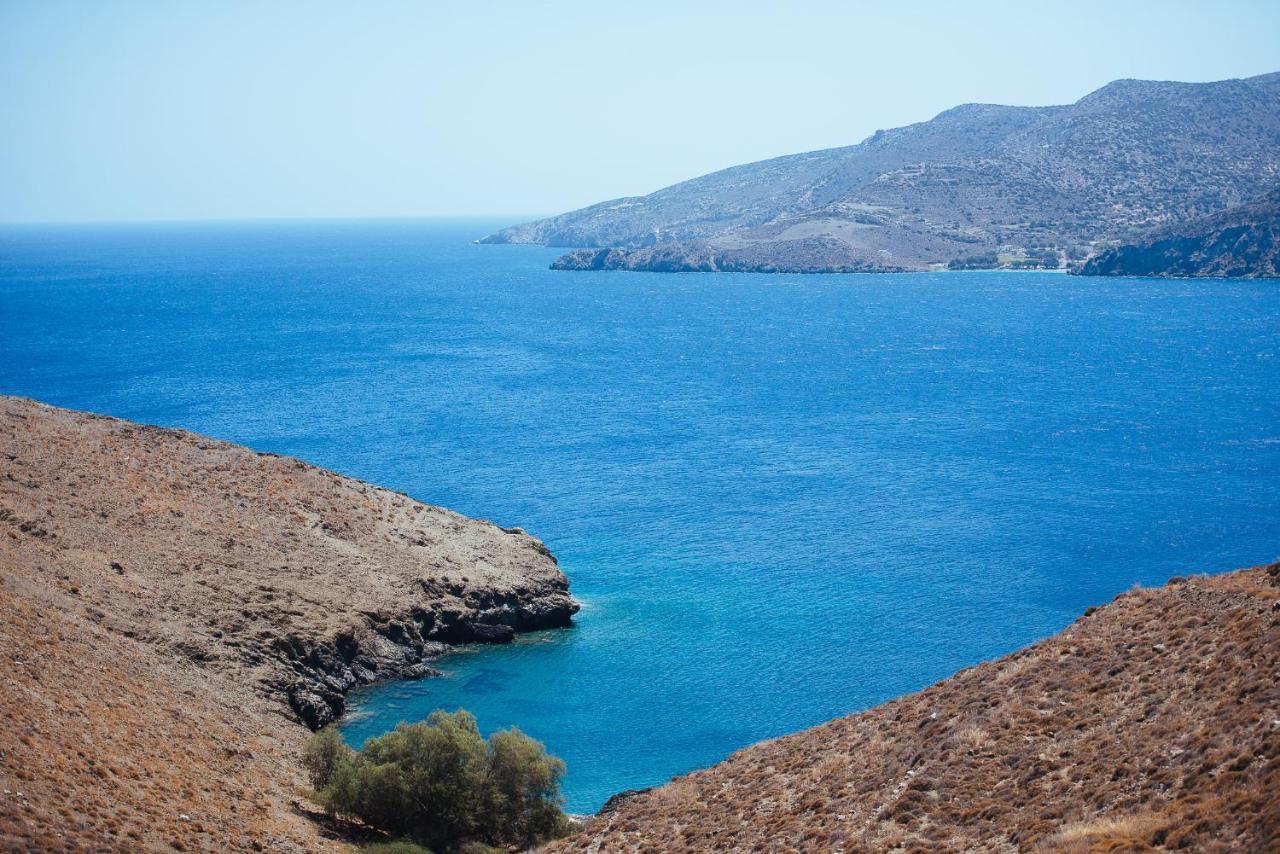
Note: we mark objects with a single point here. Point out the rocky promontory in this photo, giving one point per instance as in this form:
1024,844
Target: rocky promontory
1240,242
153,577
1024,182
810,255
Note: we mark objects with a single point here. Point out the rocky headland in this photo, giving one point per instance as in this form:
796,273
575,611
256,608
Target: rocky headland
814,255
1241,242
173,607
1024,182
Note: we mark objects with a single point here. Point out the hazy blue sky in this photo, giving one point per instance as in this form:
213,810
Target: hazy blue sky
163,110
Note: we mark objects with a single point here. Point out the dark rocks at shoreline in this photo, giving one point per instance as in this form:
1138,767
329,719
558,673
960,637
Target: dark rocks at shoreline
618,800
1240,242
291,581
395,649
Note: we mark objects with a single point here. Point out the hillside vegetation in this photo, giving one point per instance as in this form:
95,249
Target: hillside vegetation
440,783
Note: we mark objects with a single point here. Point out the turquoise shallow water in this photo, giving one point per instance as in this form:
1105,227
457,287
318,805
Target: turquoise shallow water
780,498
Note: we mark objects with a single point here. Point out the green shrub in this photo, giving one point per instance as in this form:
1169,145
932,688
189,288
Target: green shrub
323,753
399,846
522,795
474,847
440,783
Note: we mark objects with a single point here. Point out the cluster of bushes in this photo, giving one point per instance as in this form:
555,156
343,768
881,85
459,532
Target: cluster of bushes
986,261
441,784
1047,261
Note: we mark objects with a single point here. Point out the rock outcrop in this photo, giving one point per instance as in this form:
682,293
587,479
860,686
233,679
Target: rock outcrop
171,606
1132,156
300,580
1240,242
1151,723
812,255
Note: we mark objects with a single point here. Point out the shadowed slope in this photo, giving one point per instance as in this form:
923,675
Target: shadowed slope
1242,241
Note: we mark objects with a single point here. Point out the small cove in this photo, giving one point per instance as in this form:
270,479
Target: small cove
780,498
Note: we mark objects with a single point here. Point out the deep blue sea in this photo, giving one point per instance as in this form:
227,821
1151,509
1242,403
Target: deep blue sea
779,498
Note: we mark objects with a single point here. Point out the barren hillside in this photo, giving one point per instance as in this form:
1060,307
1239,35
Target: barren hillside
170,605
1152,723
1131,156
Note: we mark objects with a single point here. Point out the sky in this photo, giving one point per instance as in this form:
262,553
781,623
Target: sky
226,110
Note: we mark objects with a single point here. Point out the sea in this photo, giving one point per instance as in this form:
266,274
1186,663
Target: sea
779,498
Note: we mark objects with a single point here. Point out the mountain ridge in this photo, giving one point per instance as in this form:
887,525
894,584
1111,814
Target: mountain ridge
975,178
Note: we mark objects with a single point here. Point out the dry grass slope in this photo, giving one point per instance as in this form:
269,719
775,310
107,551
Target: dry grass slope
1152,723
169,604
108,746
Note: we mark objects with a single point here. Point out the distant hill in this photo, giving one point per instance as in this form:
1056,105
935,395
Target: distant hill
1242,241
976,179
1149,724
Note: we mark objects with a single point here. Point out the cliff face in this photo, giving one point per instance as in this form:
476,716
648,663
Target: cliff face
173,601
1149,724
1129,157
1242,241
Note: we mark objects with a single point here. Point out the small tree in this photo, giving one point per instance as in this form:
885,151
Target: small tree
340,794
440,783
523,792
322,755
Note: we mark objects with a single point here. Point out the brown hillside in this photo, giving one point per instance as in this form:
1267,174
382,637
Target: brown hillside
170,605
107,744
1152,723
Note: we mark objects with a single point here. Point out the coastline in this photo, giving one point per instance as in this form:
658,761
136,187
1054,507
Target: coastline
1104,736
223,591
827,258
189,711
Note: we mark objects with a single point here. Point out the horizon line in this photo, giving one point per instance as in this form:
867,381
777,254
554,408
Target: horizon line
251,220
